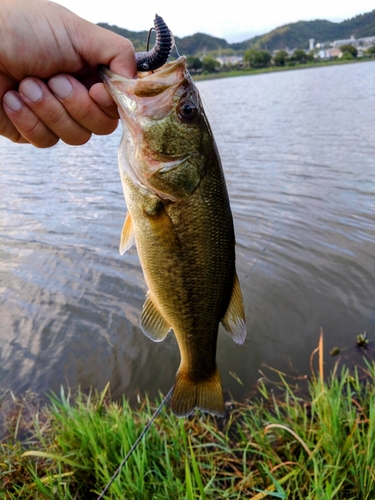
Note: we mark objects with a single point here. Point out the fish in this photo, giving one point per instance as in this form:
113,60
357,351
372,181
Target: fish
180,220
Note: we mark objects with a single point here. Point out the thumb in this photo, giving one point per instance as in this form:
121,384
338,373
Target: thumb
101,46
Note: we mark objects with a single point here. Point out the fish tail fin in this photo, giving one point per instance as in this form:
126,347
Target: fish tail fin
206,395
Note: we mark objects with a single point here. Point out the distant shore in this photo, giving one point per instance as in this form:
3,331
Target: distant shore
272,69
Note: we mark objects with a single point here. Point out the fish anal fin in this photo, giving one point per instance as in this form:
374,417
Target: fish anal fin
153,324
234,319
205,395
127,235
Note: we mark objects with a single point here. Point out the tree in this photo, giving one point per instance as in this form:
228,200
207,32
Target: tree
280,58
210,65
257,58
193,64
350,49
300,56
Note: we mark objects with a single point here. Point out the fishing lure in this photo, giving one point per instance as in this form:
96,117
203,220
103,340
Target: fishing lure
158,55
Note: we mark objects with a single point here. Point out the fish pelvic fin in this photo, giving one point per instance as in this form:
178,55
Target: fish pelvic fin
153,324
127,235
234,320
205,395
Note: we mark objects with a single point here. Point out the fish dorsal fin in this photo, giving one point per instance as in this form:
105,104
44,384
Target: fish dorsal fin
127,235
234,319
153,324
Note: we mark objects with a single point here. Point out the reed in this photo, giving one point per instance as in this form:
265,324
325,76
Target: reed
315,440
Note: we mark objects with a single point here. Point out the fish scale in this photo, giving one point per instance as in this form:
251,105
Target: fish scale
180,219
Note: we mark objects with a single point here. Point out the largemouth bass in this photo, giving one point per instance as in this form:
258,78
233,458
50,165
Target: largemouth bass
180,219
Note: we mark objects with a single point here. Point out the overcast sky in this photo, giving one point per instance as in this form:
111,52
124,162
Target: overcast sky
233,21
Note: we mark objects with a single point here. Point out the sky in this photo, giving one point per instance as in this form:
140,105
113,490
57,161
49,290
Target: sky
232,21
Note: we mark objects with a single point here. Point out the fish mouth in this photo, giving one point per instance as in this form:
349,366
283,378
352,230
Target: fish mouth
163,70
141,103
150,96
148,83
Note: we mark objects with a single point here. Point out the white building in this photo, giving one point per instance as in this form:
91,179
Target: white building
367,41
229,60
350,41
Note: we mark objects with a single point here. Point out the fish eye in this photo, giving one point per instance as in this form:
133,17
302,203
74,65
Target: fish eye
187,110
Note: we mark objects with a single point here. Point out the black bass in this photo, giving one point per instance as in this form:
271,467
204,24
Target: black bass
180,219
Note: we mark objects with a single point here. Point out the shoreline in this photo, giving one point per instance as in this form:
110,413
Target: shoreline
275,69
297,437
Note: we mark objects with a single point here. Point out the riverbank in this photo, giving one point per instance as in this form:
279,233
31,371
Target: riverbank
274,69
293,439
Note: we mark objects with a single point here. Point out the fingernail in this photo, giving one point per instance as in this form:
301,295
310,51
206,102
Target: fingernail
12,101
60,86
31,90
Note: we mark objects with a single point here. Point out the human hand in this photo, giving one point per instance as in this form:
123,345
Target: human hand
48,61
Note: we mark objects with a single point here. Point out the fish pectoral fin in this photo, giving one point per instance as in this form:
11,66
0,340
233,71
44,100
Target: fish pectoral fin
234,319
127,235
153,324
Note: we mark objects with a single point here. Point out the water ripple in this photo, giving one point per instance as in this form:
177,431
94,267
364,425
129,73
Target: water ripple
298,150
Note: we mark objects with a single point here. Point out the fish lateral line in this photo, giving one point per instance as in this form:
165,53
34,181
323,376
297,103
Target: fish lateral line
175,262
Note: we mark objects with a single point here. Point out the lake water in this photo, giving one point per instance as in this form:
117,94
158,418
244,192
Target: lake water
298,151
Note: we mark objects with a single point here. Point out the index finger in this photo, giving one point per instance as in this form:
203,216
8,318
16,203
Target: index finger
101,46
7,128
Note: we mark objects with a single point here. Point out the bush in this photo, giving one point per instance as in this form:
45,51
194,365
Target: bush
210,65
280,58
349,49
257,58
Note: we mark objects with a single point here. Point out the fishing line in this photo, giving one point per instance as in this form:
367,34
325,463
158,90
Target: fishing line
207,108
166,398
220,132
176,49
262,252
130,452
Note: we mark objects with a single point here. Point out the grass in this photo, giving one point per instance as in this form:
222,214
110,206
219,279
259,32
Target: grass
287,442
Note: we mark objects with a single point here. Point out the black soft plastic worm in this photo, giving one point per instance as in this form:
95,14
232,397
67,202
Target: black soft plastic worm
158,55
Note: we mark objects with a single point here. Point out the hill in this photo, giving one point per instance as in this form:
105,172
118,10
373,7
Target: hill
189,45
289,36
297,35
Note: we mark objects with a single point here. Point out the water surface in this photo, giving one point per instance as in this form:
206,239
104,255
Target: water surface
298,151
